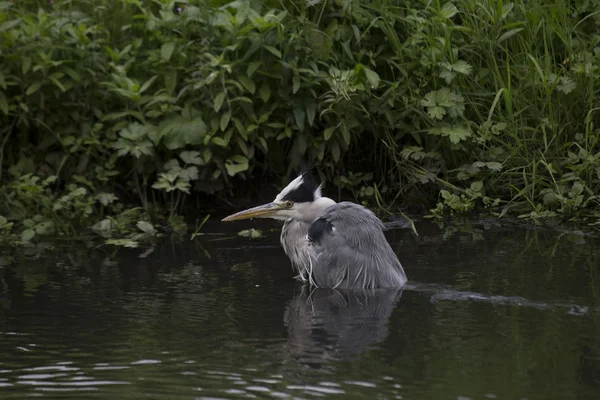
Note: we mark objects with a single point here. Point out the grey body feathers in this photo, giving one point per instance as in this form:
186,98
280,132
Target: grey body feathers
347,249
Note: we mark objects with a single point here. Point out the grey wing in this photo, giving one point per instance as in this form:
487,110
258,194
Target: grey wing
351,251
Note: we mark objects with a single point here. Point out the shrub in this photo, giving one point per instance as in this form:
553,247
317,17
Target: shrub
112,104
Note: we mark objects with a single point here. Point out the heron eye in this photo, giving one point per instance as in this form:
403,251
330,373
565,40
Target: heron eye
289,204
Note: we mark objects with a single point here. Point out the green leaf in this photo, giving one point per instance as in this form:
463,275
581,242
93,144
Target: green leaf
189,174
34,87
577,188
57,83
72,73
494,165
372,78
147,84
170,78
191,157
9,24
219,99
273,51
146,227
166,50
27,235
247,83
462,67
225,118
184,129
295,84
299,116
566,85
455,133
477,186
311,110
447,75
219,141
328,132
335,151
252,67
508,34
240,129
346,134
264,92
236,164
448,10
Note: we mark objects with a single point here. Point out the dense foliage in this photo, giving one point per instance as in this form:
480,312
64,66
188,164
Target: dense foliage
107,105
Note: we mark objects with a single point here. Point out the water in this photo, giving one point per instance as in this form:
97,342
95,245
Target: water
492,312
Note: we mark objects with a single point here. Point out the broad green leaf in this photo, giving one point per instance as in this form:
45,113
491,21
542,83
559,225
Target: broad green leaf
219,141
264,92
252,67
5,26
447,75
299,115
72,73
311,110
456,133
462,67
328,132
566,85
147,84
436,112
57,83
477,186
346,134
106,198
335,151
27,235
166,50
508,34
247,83
170,79
236,164
189,174
219,99
240,128
448,10
372,78
191,157
295,84
146,227
273,50
34,87
225,118
494,165
186,129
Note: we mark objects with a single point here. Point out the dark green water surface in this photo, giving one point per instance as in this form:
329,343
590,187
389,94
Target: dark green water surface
492,312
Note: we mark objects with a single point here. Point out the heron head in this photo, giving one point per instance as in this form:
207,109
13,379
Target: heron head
301,199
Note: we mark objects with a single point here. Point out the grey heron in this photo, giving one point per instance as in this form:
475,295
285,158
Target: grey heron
332,245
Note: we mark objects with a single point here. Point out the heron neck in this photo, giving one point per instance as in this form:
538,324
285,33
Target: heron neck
313,209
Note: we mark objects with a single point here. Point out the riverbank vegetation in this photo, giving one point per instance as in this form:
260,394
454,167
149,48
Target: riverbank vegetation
119,115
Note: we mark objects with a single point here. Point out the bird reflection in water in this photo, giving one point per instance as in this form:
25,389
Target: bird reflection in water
331,324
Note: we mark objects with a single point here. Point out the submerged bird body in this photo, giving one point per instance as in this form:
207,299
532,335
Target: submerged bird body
333,245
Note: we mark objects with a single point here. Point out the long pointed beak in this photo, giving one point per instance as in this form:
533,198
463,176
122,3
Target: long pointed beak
266,210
